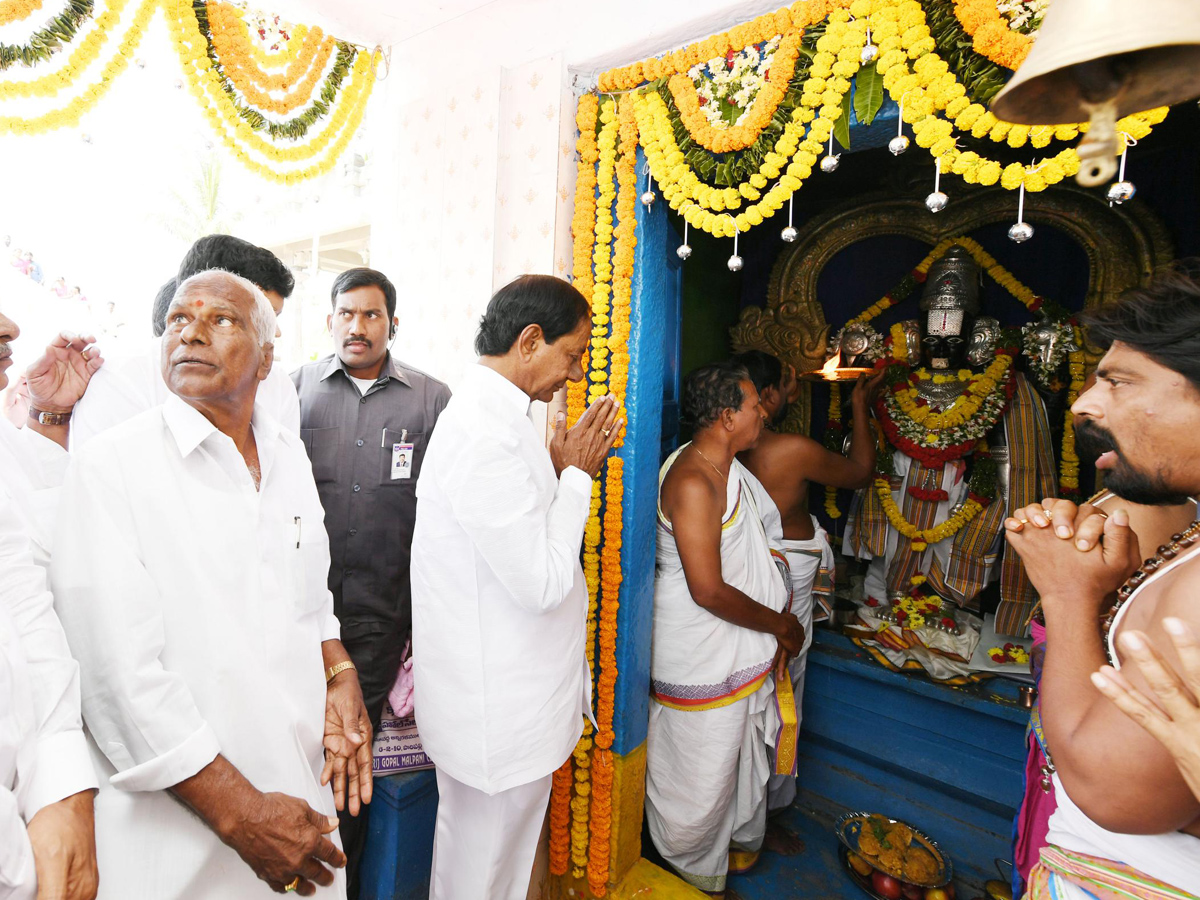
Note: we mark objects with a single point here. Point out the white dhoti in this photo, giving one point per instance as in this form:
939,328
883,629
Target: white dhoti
706,751
487,841
706,778
811,563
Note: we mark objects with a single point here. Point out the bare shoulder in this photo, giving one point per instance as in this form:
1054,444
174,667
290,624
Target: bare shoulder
687,486
1179,590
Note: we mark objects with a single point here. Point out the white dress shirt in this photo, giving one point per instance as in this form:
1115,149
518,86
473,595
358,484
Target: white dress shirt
121,389
32,469
196,607
499,597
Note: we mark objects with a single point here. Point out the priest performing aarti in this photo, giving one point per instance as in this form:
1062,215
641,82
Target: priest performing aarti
967,439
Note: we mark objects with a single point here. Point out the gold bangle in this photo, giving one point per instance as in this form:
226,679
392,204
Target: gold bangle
333,671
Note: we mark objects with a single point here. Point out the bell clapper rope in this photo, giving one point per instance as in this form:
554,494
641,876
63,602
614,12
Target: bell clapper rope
1122,190
789,233
735,262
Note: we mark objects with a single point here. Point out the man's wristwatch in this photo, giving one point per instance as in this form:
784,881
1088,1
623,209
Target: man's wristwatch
332,671
49,418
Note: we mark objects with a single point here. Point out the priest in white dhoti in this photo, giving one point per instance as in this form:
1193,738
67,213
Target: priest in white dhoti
45,758
498,594
190,576
134,384
723,634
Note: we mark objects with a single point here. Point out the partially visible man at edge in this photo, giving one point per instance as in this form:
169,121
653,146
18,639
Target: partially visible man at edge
498,592
721,630
366,419
1125,815
54,781
785,465
191,582
135,384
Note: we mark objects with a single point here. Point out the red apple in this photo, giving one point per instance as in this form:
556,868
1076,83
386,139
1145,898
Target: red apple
911,891
885,885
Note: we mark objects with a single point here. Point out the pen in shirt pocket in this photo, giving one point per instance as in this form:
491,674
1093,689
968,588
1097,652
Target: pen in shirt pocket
297,532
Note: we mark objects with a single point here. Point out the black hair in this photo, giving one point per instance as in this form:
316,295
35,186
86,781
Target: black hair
162,303
528,300
364,277
764,369
1160,320
709,390
255,264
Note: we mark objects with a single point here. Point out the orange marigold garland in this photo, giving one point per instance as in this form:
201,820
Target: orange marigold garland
757,117
583,229
991,34
560,819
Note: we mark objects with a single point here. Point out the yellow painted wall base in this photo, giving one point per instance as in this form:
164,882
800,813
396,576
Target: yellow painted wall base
628,803
646,880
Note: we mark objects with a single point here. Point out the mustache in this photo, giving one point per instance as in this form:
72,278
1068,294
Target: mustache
1093,440
5,350
356,339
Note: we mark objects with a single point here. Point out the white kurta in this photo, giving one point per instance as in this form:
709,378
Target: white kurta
498,593
122,389
18,762
196,607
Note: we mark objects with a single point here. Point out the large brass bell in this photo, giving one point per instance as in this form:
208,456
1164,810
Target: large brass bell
1099,60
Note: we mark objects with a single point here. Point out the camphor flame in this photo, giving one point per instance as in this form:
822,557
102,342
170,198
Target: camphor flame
829,370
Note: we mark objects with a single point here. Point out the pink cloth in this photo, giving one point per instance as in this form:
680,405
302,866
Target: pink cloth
401,695
1033,821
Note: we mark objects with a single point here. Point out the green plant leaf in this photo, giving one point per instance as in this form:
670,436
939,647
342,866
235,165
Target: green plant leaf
868,94
841,128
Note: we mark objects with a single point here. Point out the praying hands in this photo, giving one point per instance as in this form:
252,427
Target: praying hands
1172,714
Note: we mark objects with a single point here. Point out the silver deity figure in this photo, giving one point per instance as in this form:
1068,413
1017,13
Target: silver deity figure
859,345
1046,342
912,339
985,336
950,301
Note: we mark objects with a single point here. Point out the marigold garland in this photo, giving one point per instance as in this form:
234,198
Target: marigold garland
50,39
232,43
602,252
757,117
1068,471
16,10
560,819
833,442
82,56
922,537
69,115
583,230
993,39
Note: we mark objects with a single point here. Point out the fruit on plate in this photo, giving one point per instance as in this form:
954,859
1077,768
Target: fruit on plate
886,886
911,892
940,893
860,865
998,890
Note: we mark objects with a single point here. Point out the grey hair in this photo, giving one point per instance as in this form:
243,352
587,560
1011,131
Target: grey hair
262,314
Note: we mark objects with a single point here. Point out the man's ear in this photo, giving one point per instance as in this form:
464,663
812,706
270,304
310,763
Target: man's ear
267,360
727,418
529,340
329,323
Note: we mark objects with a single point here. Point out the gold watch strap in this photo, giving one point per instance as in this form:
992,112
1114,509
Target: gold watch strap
333,671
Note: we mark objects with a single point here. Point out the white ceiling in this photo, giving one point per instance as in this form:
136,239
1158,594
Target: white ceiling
371,22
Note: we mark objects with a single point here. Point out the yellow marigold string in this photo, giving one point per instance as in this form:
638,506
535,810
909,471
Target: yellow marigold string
602,267
233,47
756,118
965,407
583,229
835,420
921,537
1068,472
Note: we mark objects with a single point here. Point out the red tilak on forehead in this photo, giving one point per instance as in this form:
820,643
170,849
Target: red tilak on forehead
198,303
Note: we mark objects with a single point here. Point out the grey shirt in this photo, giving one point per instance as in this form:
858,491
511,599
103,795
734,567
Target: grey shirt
351,440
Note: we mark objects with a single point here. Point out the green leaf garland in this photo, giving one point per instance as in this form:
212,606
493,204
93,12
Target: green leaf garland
868,94
49,40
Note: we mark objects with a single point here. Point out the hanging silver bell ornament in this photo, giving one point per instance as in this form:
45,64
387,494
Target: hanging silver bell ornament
898,144
140,63
735,262
869,52
789,233
831,163
936,201
1120,191
648,198
1022,231
684,250
86,138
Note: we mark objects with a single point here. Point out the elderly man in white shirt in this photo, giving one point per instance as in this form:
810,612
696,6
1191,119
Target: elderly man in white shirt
54,777
129,386
498,593
191,581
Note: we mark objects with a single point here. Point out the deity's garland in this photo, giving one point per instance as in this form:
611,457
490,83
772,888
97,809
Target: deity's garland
70,114
755,119
583,229
833,443
1068,472
993,38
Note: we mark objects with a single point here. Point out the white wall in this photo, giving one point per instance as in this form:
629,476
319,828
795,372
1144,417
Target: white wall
474,165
